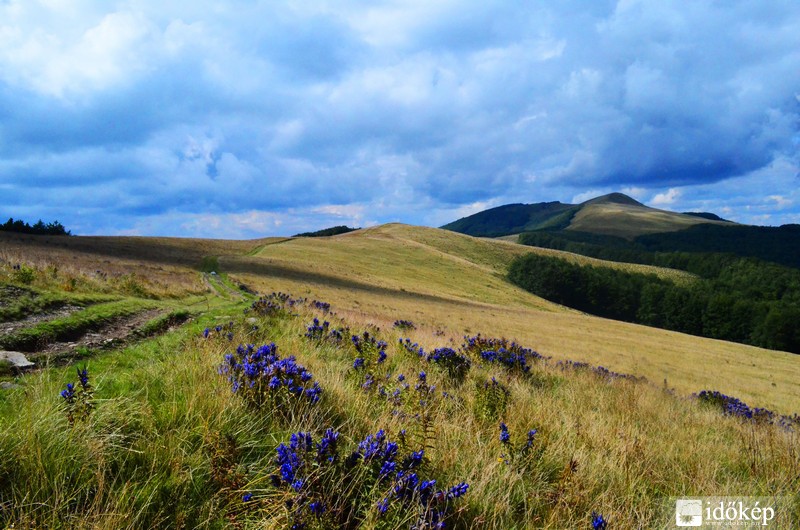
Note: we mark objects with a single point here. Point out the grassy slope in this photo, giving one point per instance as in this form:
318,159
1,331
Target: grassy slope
146,458
629,221
454,282
450,281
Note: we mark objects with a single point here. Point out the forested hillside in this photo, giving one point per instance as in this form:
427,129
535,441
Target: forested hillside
737,299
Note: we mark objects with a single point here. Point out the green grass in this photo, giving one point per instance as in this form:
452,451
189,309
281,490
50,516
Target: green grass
37,302
169,446
162,323
153,453
72,326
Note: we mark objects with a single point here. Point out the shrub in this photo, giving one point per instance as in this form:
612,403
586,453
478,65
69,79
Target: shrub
23,274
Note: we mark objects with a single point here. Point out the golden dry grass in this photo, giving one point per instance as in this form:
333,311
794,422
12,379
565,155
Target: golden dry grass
629,221
454,283
445,281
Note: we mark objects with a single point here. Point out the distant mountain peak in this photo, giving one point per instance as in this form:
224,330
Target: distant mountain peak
614,198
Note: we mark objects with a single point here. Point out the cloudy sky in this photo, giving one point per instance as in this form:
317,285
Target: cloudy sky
250,118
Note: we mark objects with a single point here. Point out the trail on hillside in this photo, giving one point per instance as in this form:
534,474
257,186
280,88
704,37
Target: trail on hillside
116,332
7,328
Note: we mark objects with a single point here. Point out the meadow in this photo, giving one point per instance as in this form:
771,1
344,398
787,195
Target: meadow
191,427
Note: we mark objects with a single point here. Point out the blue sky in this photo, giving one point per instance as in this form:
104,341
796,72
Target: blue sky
243,119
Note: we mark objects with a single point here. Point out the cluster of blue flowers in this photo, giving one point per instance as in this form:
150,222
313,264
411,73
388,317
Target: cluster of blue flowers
516,454
262,377
220,331
511,355
367,344
404,324
324,333
328,488
732,406
370,351
456,365
325,307
411,347
600,371
275,305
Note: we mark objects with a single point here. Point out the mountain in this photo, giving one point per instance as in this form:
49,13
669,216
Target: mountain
707,215
510,219
615,214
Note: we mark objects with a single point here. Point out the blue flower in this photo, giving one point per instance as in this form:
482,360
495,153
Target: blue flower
383,506
247,497
358,363
316,508
83,377
387,468
414,459
598,522
457,490
326,448
531,436
505,437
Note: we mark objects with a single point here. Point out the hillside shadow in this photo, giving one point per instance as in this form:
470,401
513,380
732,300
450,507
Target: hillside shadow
233,264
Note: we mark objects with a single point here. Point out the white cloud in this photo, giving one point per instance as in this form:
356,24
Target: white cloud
667,198
57,63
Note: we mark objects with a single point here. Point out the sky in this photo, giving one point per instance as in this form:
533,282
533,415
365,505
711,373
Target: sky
243,119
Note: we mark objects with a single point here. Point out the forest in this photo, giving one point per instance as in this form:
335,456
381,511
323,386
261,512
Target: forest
39,228
737,299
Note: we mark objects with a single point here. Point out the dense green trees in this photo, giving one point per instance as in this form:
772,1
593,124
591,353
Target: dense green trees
742,300
332,231
40,227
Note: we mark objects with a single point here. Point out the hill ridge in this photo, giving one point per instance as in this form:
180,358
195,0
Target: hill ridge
614,214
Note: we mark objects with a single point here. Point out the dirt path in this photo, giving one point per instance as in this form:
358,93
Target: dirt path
220,288
114,334
7,328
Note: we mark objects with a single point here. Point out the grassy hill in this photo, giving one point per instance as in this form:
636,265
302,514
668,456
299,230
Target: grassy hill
168,444
630,221
614,214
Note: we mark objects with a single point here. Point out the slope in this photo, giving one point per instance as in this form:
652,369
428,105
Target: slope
613,214
455,285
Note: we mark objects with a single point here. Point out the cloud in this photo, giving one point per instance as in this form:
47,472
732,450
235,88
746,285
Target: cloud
139,112
667,198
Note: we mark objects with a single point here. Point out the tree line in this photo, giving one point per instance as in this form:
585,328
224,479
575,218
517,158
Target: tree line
745,300
39,228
